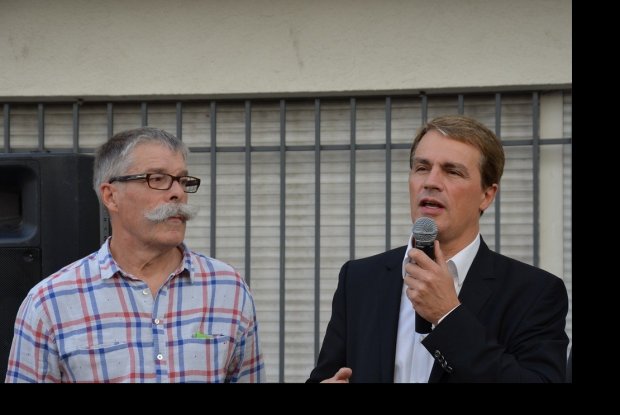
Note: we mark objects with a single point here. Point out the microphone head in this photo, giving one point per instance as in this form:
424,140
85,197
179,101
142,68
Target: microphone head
424,231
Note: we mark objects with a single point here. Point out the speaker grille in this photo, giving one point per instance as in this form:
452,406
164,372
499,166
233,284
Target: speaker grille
19,272
59,223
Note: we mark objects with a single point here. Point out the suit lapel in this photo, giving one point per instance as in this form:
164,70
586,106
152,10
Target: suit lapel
475,291
477,286
389,287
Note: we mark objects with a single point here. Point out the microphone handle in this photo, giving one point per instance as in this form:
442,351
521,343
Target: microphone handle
423,326
428,250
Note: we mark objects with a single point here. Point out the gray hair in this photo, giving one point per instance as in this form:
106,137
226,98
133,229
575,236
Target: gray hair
114,157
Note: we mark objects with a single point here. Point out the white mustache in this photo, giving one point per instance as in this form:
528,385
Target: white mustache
167,210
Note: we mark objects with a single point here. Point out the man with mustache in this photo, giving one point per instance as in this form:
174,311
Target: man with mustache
144,308
494,319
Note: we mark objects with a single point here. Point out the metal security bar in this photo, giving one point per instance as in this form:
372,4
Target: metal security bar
21,117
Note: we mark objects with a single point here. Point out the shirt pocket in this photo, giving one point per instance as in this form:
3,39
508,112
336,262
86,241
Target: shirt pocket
206,358
105,362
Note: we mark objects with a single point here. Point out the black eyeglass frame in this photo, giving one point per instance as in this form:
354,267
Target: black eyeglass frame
191,181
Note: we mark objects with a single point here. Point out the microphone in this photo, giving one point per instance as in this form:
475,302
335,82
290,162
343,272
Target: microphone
424,232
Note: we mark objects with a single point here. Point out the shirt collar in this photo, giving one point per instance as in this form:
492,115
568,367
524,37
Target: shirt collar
462,260
406,258
108,266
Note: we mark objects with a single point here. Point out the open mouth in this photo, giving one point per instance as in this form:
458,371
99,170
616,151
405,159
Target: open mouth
431,203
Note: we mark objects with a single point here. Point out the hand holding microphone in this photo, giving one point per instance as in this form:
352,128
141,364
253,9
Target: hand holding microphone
431,285
424,233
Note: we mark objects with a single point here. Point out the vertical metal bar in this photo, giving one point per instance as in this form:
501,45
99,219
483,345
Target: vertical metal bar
317,226
144,110
282,308
248,190
536,172
213,113
498,132
110,119
76,127
352,183
180,120
424,108
461,104
388,173
7,128
41,125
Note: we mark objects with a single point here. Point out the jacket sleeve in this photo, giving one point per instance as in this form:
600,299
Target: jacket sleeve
530,349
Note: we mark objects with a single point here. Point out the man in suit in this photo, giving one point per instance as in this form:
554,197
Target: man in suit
494,319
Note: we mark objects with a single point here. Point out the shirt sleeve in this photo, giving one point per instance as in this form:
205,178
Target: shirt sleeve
34,356
250,367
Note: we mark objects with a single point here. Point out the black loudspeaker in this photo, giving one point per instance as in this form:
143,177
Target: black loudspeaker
49,217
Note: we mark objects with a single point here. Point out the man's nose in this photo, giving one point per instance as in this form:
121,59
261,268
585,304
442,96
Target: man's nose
176,190
433,179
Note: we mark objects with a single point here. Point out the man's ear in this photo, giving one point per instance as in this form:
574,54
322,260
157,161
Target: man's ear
487,197
108,197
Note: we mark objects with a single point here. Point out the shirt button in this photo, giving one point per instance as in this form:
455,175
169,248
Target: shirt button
145,292
160,357
157,321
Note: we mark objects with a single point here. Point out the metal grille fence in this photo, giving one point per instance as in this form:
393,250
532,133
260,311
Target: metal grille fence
297,186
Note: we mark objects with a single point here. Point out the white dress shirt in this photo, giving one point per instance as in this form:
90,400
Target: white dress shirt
413,363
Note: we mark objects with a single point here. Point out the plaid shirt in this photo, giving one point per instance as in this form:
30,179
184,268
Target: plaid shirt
93,322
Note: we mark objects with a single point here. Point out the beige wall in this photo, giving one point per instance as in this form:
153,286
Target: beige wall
90,49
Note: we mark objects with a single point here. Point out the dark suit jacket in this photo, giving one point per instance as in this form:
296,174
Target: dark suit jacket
508,328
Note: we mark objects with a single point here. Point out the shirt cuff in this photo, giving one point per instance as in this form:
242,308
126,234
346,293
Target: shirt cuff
446,315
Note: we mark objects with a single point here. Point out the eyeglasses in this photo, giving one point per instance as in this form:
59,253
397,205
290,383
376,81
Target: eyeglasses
162,181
